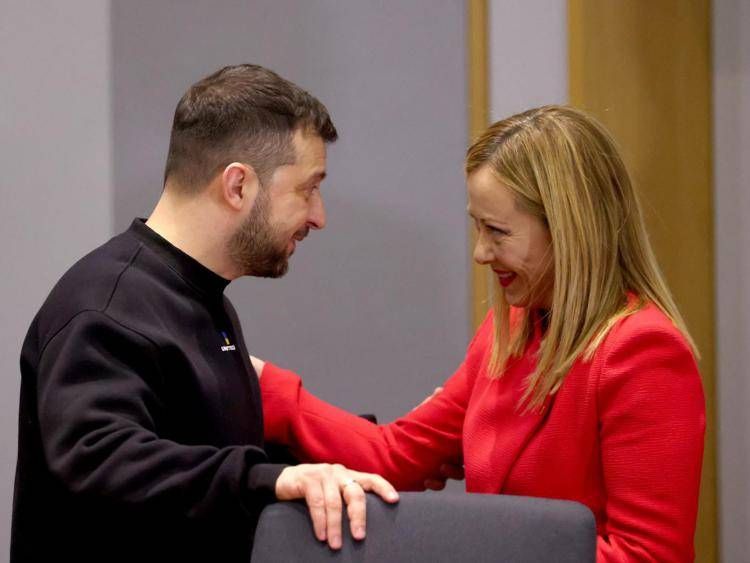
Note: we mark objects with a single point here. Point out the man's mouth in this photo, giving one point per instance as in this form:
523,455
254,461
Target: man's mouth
301,234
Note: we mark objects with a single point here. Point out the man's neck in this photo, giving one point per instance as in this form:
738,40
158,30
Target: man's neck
196,229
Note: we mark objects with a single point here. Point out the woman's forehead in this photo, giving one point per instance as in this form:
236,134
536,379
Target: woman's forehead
487,195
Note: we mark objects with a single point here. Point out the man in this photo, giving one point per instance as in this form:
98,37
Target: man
141,431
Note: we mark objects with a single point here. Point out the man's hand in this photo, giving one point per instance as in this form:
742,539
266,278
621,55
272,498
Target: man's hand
258,365
323,486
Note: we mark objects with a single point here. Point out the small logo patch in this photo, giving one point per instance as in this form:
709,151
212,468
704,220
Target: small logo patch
229,346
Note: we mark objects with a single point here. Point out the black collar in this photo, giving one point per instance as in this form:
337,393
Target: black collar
195,273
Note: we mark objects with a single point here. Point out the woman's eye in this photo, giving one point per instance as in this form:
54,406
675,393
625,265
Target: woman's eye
496,231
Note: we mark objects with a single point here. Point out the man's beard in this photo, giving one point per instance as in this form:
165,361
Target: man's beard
256,248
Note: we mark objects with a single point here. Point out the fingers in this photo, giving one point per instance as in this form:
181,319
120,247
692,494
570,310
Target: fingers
450,471
258,365
332,512
356,501
445,472
434,394
316,504
434,484
323,486
377,485
356,508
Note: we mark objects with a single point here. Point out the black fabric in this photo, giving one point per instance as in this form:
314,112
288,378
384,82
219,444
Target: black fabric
438,528
140,427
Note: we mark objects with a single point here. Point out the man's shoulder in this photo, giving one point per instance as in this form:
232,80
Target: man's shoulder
88,285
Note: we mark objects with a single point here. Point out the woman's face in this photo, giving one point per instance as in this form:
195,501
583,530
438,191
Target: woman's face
514,243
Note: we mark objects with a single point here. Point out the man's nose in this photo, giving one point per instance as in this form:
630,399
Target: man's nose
317,216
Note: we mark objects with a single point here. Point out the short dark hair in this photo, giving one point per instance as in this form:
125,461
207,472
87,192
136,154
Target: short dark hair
243,113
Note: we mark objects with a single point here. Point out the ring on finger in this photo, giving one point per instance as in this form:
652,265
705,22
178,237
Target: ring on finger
348,482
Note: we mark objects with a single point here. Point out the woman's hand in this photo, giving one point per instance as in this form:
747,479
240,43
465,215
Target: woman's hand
435,393
447,471
258,365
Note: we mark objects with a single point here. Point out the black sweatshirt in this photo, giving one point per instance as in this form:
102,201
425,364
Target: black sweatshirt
141,429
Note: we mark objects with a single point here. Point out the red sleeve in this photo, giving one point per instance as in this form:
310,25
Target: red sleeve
652,422
405,452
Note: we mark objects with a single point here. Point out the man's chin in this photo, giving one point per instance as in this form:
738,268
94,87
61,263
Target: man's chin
292,246
271,269
269,274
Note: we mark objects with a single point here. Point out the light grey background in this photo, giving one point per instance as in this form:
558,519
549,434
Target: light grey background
528,55
731,65
55,179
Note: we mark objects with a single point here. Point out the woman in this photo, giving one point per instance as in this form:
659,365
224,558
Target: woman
580,384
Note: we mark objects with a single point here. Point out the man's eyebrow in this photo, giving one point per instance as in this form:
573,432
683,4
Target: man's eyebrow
313,179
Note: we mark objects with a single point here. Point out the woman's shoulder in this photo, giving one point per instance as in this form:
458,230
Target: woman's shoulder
642,343
646,321
645,367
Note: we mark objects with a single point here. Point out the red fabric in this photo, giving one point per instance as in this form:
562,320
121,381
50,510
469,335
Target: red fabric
623,435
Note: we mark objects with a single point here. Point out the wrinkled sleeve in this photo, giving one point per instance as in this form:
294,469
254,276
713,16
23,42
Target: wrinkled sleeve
99,408
406,451
652,423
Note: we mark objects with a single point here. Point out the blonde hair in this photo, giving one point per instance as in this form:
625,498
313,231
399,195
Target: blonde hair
564,167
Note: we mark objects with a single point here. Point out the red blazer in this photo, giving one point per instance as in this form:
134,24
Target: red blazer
623,435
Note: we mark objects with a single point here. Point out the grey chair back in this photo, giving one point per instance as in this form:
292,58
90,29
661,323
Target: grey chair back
438,527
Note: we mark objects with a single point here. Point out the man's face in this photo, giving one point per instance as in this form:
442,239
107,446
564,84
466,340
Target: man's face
284,212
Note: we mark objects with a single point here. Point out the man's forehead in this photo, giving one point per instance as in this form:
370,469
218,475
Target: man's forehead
310,152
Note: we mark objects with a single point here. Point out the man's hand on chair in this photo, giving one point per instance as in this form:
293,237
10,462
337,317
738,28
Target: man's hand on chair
324,487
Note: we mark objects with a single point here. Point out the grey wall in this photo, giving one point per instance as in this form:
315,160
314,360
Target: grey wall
732,207
56,174
374,310
528,55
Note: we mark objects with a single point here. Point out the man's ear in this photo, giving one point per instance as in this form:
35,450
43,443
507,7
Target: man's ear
239,185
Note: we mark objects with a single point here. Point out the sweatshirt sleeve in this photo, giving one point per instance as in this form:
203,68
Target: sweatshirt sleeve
652,423
406,451
98,409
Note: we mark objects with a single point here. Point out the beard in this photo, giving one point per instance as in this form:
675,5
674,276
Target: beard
258,249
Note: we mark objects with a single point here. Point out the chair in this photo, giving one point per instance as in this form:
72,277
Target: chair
438,527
